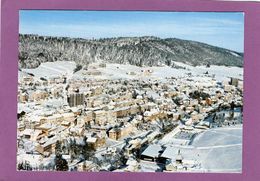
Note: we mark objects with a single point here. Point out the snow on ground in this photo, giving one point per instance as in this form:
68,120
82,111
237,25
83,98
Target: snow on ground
221,72
227,159
52,69
217,150
219,136
115,71
21,74
34,160
220,149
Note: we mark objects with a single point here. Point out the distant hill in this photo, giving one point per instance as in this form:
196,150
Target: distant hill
140,51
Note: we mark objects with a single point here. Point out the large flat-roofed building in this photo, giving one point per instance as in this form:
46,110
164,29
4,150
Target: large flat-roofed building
76,99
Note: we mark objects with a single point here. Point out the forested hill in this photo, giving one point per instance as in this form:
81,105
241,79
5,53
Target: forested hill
140,51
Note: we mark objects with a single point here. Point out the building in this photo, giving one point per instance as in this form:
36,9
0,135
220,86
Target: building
126,130
114,133
39,95
23,97
48,146
75,99
152,153
88,117
234,81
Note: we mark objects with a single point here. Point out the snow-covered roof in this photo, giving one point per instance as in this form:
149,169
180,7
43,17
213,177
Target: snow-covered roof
79,140
188,153
27,132
152,151
46,126
54,116
131,162
23,107
91,139
51,141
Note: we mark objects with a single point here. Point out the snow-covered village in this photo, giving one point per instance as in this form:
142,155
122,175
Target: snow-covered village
112,117
112,91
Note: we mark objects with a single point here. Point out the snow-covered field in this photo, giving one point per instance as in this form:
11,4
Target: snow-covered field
221,72
220,149
219,136
52,69
115,71
217,150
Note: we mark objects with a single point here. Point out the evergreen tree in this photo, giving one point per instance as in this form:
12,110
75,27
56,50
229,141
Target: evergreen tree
88,149
58,150
61,164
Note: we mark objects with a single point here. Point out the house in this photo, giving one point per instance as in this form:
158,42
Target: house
45,128
76,131
23,97
48,146
234,81
65,123
114,133
100,117
133,145
126,129
39,95
131,73
27,133
147,72
86,166
154,115
122,112
101,139
111,117
88,116
135,109
68,116
97,90
93,72
92,141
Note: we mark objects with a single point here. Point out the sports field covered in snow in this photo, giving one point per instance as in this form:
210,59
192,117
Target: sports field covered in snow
220,149
216,150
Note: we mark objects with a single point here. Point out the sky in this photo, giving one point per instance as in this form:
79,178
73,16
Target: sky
223,29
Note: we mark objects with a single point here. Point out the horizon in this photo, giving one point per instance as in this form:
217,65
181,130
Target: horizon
225,30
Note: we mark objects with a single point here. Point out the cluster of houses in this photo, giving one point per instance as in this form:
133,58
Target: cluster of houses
119,120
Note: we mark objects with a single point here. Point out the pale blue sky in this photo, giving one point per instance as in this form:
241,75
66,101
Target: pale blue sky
220,29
